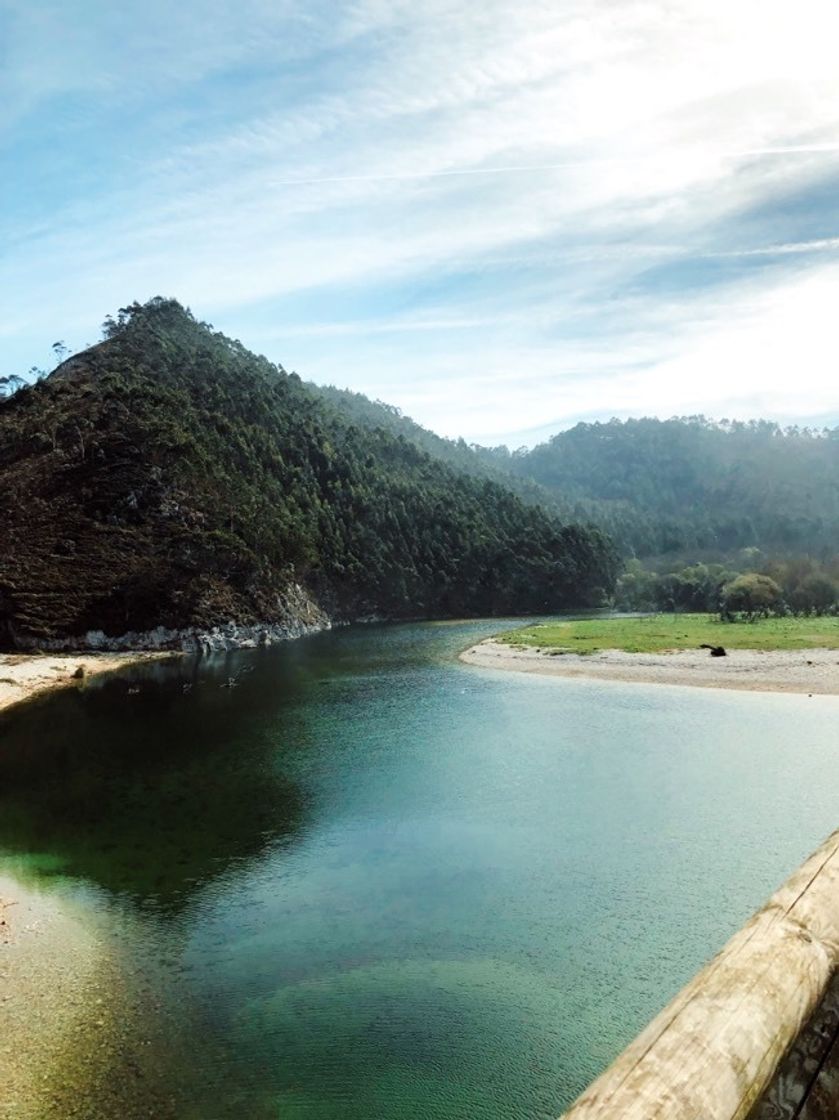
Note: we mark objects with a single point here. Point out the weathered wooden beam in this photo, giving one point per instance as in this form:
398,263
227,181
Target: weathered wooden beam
715,1050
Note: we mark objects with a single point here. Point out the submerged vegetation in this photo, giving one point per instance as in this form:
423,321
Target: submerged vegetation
655,633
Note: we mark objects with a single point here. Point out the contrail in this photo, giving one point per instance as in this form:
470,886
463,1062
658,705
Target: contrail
526,168
788,247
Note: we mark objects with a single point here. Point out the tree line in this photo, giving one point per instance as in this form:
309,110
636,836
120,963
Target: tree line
752,586
661,488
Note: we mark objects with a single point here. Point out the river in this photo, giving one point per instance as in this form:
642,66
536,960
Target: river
352,877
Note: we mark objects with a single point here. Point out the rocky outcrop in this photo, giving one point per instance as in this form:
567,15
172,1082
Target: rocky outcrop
225,636
298,615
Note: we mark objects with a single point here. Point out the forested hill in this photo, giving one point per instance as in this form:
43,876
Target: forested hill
662,486
689,484
169,477
493,463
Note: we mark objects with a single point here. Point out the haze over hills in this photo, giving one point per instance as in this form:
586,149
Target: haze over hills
662,486
167,477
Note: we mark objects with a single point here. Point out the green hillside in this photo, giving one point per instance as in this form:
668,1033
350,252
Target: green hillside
689,484
657,487
169,477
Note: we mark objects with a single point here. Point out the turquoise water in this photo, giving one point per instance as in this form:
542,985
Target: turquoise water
368,880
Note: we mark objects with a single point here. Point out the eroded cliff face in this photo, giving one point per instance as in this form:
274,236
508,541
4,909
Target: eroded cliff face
297,614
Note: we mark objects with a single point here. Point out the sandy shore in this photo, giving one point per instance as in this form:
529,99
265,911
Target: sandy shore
811,671
23,675
82,1032
49,964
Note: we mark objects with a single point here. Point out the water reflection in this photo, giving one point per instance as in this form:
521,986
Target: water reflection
359,879
149,784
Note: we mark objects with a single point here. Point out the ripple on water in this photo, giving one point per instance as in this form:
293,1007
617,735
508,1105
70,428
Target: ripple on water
370,881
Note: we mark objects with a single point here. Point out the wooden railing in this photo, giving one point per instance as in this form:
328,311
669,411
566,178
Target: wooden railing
755,1035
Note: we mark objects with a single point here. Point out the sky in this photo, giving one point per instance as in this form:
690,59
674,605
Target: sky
503,217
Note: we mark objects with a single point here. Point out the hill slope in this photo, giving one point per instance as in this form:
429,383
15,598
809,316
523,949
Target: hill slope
169,478
688,484
659,486
492,463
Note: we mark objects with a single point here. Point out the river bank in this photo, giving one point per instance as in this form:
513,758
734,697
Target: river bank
24,675
61,999
84,1033
48,962
809,671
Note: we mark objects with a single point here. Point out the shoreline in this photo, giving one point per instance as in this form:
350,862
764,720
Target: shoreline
53,992
24,676
85,1032
808,672
60,983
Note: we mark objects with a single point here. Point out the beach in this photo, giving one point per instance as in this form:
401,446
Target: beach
84,1034
24,675
54,994
809,671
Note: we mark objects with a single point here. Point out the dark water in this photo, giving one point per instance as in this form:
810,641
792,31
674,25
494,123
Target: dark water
370,881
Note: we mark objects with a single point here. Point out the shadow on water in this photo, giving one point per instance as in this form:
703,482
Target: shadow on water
132,794
151,782
345,877
148,784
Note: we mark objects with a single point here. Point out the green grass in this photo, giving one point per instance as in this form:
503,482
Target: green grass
683,631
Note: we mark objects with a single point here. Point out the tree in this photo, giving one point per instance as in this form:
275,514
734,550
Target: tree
751,594
10,385
816,592
60,351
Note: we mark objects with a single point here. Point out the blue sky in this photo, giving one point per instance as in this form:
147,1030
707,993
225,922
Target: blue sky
502,217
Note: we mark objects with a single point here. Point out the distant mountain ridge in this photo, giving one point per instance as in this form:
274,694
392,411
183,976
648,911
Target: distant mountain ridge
661,486
694,484
167,484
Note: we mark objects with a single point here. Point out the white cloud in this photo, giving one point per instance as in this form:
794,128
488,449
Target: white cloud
767,351
514,172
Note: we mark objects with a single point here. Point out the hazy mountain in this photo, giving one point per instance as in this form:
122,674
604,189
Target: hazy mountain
660,486
692,484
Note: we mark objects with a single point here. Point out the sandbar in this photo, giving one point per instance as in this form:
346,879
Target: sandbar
809,671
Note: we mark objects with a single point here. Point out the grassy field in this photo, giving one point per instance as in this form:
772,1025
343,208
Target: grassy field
683,631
